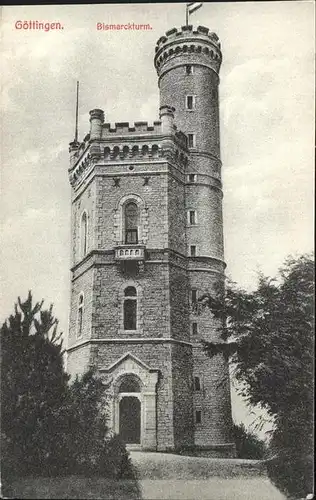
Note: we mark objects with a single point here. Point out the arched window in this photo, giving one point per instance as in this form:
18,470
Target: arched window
80,316
131,213
130,308
84,234
116,151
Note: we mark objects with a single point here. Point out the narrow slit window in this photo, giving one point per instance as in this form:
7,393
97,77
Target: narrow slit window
190,102
80,316
198,417
194,296
191,140
192,217
84,234
192,251
197,384
192,177
194,329
189,69
130,308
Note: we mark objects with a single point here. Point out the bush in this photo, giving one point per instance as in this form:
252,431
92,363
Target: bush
293,475
115,460
248,445
292,447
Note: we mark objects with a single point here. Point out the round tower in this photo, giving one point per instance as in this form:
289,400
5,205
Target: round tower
188,63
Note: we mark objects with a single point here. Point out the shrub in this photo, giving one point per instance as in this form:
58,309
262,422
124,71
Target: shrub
115,460
293,475
248,445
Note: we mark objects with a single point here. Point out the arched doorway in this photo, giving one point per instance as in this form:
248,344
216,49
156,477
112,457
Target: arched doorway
130,410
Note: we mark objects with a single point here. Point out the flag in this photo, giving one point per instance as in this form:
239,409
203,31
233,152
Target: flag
193,6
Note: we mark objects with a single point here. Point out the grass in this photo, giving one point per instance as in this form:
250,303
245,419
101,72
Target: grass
72,487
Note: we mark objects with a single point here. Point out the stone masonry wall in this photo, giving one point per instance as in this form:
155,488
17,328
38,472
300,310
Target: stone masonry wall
83,284
78,360
154,196
176,215
85,202
152,286
207,234
182,387
179,303
205,283
203,120
213,399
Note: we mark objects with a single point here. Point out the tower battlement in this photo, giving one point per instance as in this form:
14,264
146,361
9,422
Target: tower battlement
184,31
197,45
127,141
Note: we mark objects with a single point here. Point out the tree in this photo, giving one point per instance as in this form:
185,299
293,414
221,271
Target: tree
48,425
33,386
270,338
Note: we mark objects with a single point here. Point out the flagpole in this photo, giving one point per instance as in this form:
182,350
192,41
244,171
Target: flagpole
186,15
77,103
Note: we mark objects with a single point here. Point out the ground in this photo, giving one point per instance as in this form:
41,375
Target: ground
161,476
164,476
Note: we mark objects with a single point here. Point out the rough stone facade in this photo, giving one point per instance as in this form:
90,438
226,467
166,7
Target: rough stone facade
147,242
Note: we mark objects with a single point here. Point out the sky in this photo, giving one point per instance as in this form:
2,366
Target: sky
266,117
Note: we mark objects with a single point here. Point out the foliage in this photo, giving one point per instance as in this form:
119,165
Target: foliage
33,386
271,343
50,426
116,461
85,414
248,445
292,474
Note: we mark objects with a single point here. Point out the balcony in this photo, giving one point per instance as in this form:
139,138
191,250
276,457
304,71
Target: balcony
130,252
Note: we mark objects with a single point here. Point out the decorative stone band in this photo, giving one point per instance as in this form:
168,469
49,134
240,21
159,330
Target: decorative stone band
167,149
159,148
153,340
209,264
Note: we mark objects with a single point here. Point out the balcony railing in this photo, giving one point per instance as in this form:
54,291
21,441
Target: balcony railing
130,252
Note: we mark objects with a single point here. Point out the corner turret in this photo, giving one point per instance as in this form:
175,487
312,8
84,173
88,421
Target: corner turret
96,122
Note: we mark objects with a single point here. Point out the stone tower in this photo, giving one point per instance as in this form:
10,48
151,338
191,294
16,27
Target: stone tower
147,237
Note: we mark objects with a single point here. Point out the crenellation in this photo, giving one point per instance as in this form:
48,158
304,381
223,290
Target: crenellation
126,128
